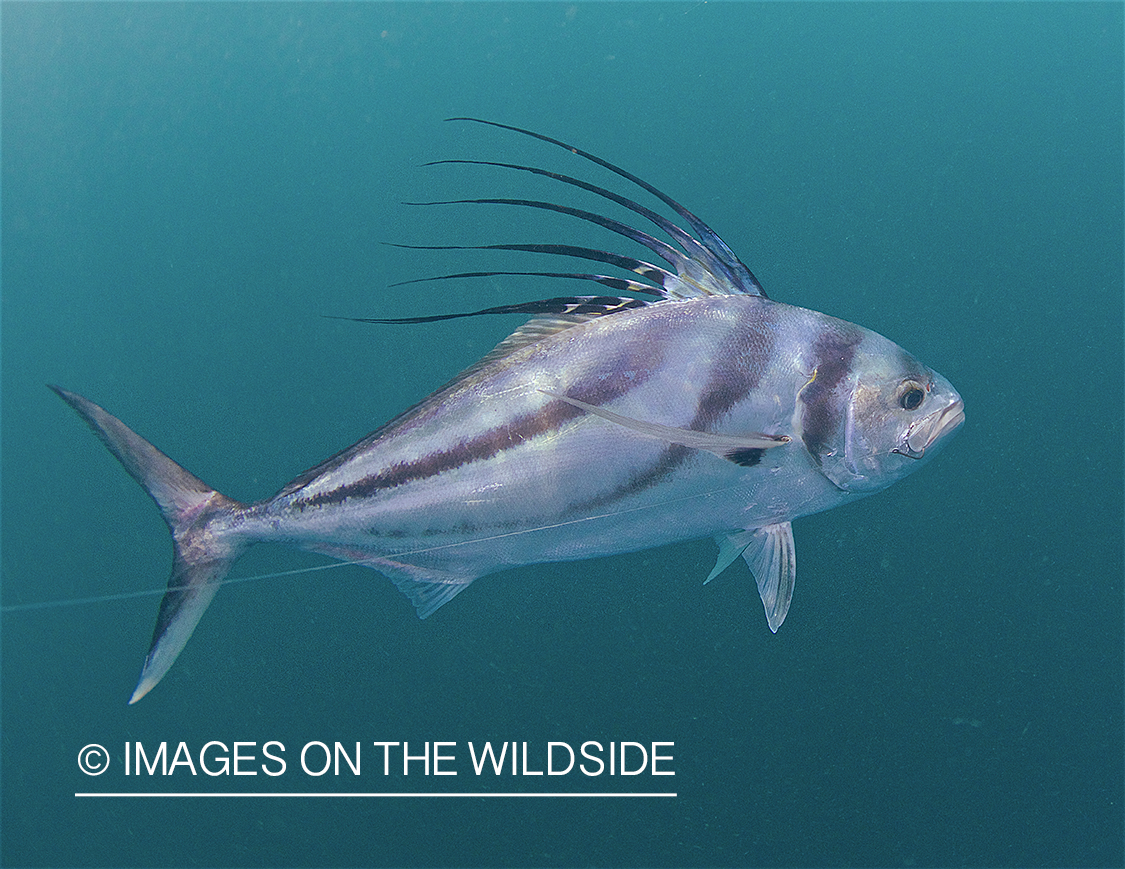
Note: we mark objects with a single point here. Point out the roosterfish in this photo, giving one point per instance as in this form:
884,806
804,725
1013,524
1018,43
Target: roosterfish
687,405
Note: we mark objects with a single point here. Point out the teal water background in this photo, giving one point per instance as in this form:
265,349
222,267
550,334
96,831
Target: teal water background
188,188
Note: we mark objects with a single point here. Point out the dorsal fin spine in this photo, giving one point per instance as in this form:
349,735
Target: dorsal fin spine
739,275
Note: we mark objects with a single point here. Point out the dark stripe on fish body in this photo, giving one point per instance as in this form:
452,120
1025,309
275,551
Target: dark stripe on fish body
484,446
668,460
552,416
745,354
832,355
743,357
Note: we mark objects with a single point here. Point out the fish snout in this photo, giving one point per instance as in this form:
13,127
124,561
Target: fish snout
930,430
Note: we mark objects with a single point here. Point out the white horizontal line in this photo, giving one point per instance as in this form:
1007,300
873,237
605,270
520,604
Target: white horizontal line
174,795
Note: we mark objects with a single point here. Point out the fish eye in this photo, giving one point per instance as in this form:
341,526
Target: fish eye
911,395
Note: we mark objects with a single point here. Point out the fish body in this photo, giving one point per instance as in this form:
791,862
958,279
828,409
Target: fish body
604,425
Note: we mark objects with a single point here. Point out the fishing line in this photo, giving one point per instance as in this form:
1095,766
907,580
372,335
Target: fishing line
361,562
126,595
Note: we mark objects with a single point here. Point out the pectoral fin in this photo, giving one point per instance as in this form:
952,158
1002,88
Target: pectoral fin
743,450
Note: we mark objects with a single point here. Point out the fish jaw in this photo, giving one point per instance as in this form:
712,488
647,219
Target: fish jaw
932,432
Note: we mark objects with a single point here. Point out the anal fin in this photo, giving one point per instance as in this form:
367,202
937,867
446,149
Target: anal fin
428,588
428,595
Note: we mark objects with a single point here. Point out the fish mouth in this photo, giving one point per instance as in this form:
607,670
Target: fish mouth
929,430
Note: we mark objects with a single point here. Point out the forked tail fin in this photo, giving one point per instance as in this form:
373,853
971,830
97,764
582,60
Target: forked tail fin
203,555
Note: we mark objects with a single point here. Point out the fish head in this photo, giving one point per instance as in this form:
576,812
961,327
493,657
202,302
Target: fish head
896,414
